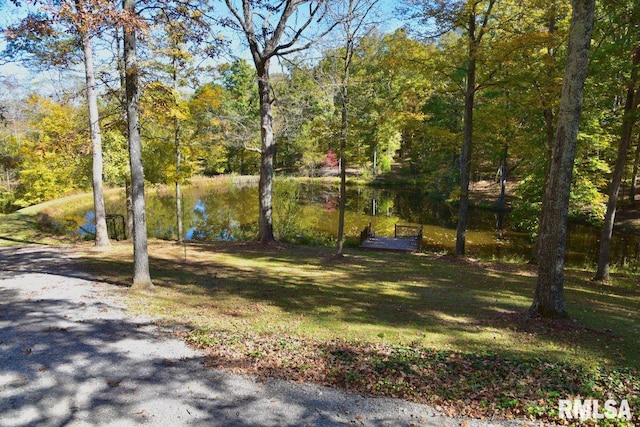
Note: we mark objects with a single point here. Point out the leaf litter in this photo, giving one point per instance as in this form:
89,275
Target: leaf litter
478,385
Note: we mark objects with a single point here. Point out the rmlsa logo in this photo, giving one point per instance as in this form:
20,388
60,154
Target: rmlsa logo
588,409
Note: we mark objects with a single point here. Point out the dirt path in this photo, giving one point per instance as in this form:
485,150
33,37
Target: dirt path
71,355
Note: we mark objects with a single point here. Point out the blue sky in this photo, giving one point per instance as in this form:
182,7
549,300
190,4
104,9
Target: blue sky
388,23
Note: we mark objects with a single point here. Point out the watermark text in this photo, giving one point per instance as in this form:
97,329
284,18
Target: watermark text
592,409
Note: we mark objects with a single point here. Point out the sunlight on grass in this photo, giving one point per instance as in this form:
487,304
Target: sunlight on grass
452,319
246,303
387,298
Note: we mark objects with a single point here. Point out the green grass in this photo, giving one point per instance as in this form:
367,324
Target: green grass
423,327
426,300
22,227
34,224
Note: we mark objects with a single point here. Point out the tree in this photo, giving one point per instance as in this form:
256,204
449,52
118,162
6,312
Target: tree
474,18
206,134
141,276
630,108
273,36
548,299
13,129
86,23
181,35
356,14
52,153
629,117
240,116
476,26
36,36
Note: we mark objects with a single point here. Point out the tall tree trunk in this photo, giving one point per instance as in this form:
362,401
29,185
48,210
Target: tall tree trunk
102,236
465,152
503,177
629,118
548,299
179,209
344,128
176,140
266,159
634,175
548,120
141,276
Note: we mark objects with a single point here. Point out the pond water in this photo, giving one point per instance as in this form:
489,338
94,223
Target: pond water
308,212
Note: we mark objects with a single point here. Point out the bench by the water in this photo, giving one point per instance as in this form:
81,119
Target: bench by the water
407,238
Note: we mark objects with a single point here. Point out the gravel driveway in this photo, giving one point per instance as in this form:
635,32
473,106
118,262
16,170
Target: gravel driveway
71,355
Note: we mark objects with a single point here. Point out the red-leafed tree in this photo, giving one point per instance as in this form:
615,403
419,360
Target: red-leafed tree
330,160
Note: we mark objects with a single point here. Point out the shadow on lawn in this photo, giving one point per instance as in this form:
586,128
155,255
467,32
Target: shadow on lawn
440,296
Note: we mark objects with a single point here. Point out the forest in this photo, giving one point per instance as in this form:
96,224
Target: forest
455,92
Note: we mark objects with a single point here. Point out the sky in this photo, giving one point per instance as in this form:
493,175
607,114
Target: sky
42,81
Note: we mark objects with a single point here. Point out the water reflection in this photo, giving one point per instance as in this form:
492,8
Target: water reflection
309,212
205,227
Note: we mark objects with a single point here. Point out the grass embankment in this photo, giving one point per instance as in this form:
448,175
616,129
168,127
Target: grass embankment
421,327
35,223
21,228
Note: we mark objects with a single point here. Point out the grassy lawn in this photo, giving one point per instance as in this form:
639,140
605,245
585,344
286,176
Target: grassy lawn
426,327
21,228
423,327
32,224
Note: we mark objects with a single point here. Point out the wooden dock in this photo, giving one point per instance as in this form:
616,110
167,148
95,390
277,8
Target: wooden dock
406,238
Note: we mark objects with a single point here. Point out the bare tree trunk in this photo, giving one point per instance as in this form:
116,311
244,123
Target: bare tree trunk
267,155
548,299
634,175
503,177
141,276
343,162
465,152
180,230
179,212
548,124
264,40
630,108
102,236
176,140
344,127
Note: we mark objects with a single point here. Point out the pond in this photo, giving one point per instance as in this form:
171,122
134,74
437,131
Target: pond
307,212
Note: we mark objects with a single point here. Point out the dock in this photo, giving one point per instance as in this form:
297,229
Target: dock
406,238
